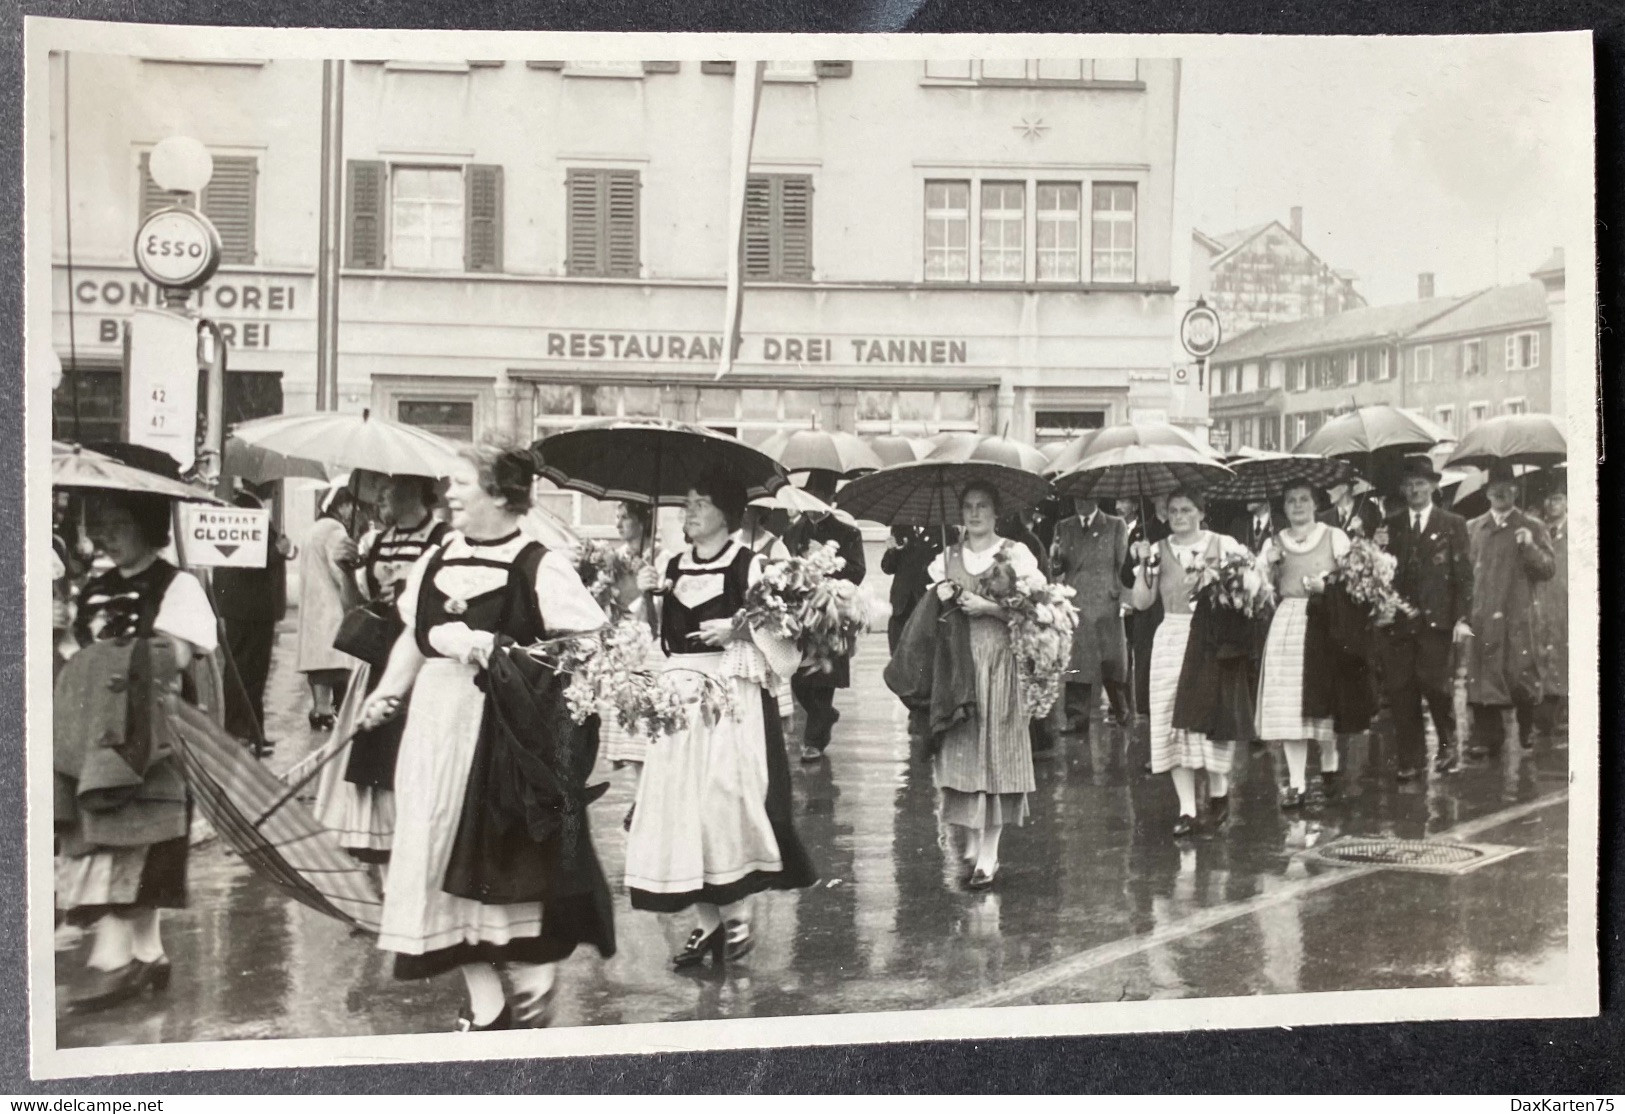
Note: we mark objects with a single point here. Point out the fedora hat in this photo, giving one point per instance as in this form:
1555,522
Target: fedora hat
1417,468
1499,472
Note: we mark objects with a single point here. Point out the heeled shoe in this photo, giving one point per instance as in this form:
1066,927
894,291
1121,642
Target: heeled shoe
1184,826
700,944
109,988
1291,799
537,1013
465,1021
981,879
740,940
1218,811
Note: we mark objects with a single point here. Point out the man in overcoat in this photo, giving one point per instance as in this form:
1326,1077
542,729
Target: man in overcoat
815,691
1090,548
1512,555
1354,514
1552,612
1435,576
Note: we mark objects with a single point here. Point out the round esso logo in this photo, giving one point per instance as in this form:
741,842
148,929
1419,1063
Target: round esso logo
177,247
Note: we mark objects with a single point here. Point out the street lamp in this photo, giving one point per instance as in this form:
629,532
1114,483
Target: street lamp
182,165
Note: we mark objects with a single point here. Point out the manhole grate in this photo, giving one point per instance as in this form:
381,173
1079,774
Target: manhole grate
1435,856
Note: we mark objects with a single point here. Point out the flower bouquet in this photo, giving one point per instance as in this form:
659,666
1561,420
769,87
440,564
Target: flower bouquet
1366,575
1042,620
609,676
1232,583
802,600
603,567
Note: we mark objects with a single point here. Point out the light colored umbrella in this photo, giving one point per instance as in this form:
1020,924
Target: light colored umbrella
1140,462
1512,439
798,500
549,529
74,468
316,444
993,450
822,450
893,448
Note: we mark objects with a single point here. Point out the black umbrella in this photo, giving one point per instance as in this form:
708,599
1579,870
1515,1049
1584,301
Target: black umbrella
1512,439
1265,475
650,460
926,493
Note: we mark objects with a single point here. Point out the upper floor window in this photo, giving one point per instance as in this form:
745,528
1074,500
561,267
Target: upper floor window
947,231
1523,351
1515,406
1060,231
229,201
1472,357
601,219
1113,235
418,217
1003,224
778,227
1036,71
1385,364
1422,365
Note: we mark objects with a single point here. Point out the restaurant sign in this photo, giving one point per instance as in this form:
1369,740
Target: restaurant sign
707,348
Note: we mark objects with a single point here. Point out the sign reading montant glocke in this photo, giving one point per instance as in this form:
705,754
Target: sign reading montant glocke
178,248
225,537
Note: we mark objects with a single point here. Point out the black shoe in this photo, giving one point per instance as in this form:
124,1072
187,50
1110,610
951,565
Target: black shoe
109,988
740,940
1449,761
700,944
981,879
1291,799
1331,785
1218,811
1185,826
465,1021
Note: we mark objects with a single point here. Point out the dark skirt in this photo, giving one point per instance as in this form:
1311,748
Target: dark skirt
1215,694
162,884
374,751
797,871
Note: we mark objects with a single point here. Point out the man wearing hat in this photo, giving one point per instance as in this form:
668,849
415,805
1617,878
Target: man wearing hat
1552,609
1351,509
815,692
1512,555
1435,576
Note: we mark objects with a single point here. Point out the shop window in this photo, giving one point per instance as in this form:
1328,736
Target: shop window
451,419
229,201
778,227
947,231
1037,71
1113,233
1063,425
918,413
1060,231
602,223
99,409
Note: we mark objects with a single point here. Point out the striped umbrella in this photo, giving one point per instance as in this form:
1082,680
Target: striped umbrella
822,450
926,493
260,817
1264,475
1140,462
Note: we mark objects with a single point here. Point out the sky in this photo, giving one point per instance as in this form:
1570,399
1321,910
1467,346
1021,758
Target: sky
1463,157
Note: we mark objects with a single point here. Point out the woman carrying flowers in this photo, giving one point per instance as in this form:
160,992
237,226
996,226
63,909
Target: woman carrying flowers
1295,702
984,769
712,825
1200,703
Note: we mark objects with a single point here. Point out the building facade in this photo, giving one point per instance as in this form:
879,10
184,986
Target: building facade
527,245
1265,275
1457,360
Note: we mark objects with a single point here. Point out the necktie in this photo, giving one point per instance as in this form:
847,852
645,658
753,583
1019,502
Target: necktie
1416,522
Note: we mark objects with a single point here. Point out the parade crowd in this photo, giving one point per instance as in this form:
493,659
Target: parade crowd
437,627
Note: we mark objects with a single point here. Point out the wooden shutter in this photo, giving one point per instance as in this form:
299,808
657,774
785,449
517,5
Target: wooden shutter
364,203
229,201
584,229
724,68
759,227
833,69
794,226
153,198
621,223
482,218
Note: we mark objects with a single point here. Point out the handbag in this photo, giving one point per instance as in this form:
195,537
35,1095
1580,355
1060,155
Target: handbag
369,632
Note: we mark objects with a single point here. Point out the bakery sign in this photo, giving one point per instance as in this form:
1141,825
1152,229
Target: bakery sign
248,308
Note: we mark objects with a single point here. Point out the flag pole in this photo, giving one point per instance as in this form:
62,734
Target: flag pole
747,99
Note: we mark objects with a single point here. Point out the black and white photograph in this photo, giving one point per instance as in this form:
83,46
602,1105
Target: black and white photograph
827,539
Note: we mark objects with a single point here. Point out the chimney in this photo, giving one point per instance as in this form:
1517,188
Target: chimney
1297,222
1424,286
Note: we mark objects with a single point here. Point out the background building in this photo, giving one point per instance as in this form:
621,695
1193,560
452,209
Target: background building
1265,275
531,244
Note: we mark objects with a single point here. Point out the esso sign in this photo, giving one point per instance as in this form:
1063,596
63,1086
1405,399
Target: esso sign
177,248
1199,331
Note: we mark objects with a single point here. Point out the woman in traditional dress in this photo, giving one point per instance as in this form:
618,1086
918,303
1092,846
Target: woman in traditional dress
713,822
1302,668
486,579
357,800
120,879
984,768
327,591
1199,699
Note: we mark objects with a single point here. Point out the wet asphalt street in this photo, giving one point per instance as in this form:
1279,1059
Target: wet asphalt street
1095,902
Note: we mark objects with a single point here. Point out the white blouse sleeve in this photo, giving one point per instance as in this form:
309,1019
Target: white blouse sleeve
567,607
185,614
1022,559
937,571
1340,543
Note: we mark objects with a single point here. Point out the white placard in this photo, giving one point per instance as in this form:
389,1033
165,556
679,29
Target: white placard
225,537
163,383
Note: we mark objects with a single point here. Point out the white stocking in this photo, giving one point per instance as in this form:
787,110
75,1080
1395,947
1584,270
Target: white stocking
145,942
485,997
987,859
1297,762
1185,785
1330,760
1218,785
112,948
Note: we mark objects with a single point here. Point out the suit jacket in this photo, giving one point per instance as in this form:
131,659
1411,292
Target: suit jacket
1435,571
907,566
1088,562
802,534
1362,523
1244,529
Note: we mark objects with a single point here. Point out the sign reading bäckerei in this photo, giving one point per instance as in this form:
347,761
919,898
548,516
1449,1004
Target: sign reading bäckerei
763,349
225,537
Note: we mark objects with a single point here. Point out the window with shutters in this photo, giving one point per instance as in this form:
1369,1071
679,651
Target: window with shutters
228,201
1422,364
1472,357
426,218
1522,351
601,221
778,227
1113,235
423,218
947,231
